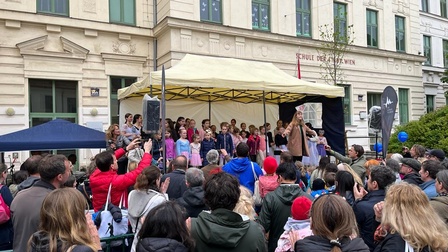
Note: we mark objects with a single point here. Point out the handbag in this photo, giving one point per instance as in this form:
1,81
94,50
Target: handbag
109,227
257,196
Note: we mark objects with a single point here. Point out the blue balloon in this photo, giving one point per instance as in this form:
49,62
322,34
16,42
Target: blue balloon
378,147
402,136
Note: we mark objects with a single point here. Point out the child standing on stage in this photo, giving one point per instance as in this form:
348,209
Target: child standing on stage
195,147
183,145
236,138
224,141
169,145
192,130
254,144
206,145
243,136
261,154
321,142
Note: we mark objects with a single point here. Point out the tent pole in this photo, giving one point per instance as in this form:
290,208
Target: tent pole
264,124
209,110
163,119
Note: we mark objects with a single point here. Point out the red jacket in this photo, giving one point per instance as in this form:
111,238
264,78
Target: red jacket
99,182
254,144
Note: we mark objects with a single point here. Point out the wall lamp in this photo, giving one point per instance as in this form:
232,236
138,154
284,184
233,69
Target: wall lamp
362,115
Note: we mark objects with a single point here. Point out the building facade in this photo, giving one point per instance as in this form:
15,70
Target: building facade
434,35
66,59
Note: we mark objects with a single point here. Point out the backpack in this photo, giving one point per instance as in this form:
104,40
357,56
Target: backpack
5,213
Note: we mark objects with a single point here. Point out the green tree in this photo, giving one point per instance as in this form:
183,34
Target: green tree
336,40
429,131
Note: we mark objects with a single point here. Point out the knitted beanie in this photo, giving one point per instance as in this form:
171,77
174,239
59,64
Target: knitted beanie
300,208
270,165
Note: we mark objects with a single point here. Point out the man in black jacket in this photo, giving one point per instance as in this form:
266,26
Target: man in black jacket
193,198
177,185
410,168
380,178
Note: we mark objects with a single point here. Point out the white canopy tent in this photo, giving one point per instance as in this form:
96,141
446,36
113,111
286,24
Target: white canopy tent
197,82
212,79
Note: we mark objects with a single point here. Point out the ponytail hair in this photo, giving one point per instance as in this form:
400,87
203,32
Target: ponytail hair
333,218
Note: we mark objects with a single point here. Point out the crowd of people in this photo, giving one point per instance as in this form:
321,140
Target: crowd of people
232,190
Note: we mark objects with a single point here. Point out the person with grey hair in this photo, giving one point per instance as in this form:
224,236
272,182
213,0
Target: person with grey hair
440,203
193,197
177,185
394,165
212,158
397,157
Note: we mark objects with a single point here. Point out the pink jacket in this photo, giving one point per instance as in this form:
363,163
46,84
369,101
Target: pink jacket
267,184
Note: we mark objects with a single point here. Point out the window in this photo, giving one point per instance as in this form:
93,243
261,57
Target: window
260,15
430,103
58,7
400,34
303,18
122,11
115,84
443,8
211,11
52,99
372,28
445,53
313,114
375,134
425,5
427,49
403,105
373,99
340,20
346,105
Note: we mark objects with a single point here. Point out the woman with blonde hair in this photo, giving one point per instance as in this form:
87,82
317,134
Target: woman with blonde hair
409,222
245,204
334,227
64,225
346,167
115,139
297,130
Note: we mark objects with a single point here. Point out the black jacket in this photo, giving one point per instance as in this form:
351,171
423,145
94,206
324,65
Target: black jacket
392,243
156,145
321,244
193,201
413,178
206,146
279,140
365,216
177,185
151,244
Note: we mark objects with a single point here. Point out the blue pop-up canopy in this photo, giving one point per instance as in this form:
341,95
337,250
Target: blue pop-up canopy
54,135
